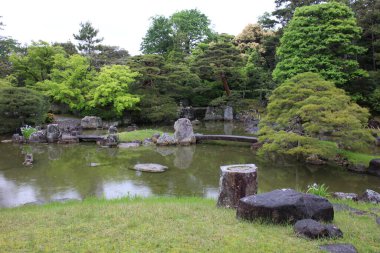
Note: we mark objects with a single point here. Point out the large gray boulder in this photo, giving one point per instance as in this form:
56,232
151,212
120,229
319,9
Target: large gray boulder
184,134
91,122
53,133
374,167
285,205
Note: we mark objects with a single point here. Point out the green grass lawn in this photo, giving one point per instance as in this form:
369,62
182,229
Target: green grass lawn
358,158
138,135
163,225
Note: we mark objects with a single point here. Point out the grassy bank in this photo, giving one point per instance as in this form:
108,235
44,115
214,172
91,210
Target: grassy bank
138,135
162,225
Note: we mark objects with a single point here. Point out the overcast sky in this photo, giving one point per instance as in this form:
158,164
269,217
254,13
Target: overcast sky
122,23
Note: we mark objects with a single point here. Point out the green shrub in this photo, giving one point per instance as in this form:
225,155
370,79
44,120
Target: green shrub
19,107
320,190
27,131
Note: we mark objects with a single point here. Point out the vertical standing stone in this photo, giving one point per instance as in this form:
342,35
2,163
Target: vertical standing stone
236,181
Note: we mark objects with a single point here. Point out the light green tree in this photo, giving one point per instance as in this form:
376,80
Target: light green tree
320,38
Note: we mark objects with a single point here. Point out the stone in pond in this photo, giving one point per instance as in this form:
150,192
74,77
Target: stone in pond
339,248
184,134
150,167
284,205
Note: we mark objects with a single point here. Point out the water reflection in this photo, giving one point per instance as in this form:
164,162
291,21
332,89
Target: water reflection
64,171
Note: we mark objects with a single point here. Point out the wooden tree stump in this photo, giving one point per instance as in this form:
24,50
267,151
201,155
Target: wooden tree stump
236,181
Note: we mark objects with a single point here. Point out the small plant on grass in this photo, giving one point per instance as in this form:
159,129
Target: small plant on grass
27,131
320,190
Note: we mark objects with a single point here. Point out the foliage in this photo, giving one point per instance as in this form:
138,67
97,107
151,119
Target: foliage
177,224
27,131
138,135
109,55
20,106
4,83
36,65
180,32
71,81
219,61
87,38
319,38
252,38
68,46
306,109
320,190
7,47
112,84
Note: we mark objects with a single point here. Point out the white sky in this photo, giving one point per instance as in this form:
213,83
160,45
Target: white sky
122,23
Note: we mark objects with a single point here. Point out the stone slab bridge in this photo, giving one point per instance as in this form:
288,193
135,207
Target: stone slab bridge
213,137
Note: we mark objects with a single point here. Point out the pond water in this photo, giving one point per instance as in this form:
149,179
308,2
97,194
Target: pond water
64,171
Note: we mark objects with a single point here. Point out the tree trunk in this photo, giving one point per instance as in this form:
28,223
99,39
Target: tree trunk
225,84
236,182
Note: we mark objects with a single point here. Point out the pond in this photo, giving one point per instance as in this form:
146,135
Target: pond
65,171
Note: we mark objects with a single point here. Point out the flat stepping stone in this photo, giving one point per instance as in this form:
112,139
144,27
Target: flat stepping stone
150,167
339,248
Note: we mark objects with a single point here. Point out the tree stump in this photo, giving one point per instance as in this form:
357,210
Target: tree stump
236,181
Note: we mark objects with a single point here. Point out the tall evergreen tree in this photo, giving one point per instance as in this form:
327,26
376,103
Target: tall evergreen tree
87,38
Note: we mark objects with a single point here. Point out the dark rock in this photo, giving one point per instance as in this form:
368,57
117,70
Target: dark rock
343,195
184,134
311,229
339,248
315,159
150,167
236,181
166,139
53,133
374,167
91,122
372,123
378,220
333,231
38,137
111,140
370,196
358,168
228,114
112,130
147,142
285,205
377,141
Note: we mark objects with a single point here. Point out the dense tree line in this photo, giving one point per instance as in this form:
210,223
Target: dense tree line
185,61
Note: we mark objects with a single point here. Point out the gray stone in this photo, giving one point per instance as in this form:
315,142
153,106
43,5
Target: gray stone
343,207
285,205
38,137
53,133
374,167
150,167
228,113
339,248
155,137
236,181
112,130
165,140
129,145
111,140
343,195
311,229
378,141
315,159
378,220
333,231
91,122
184,134
370,196
16,138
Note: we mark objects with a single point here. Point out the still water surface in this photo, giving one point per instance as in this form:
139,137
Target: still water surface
64,171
